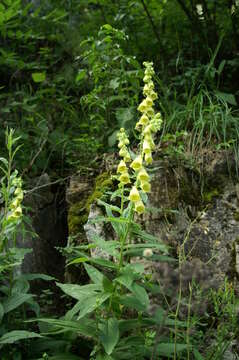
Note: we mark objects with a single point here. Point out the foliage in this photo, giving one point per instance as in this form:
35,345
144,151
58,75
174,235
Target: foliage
14,287
70,74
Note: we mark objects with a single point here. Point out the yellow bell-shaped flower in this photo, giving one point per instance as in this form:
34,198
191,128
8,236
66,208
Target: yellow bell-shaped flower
121,167
139,207
124,178
123,151
148,101
145,186
143,175
144,120
137,163
146,147
148,158
143,106
134,195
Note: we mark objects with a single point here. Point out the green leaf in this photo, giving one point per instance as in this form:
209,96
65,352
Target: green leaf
90,304
17,335
132,302
79,292
39,77
36,276
85,327
109,334
81,75
229,98
95,275
104,262
168,349
15,301
141,294
197,355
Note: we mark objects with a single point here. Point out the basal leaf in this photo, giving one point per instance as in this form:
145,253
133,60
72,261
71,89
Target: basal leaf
17,335
15,301
95,275
109,334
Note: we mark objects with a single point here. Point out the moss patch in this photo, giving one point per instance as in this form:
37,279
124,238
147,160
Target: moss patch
78,213
209,195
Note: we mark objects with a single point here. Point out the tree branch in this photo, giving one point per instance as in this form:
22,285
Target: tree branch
151,22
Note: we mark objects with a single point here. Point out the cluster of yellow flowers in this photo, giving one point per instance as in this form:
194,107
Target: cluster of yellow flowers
148,124
15,206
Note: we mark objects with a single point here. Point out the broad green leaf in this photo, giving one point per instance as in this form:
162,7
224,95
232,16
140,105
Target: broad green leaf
15,301
85,327
141,294
168,349
131,301
4,161
79,292
103,262
17,335
197,355
78,261
109,334
36,276
20,286
109,246
229,98
95,275
39,77
90,304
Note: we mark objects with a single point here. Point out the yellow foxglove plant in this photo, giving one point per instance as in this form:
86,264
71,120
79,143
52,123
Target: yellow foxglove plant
110,300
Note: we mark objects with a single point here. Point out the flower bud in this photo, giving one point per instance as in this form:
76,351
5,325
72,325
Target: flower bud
147,252
137,163
146,147
15,203
134,195
18,211
123,151
148,158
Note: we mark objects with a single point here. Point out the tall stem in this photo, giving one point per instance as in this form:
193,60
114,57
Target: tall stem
124,237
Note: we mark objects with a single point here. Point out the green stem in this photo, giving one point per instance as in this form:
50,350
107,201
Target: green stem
124,238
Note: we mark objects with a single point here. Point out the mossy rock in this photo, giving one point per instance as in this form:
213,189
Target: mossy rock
78,213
